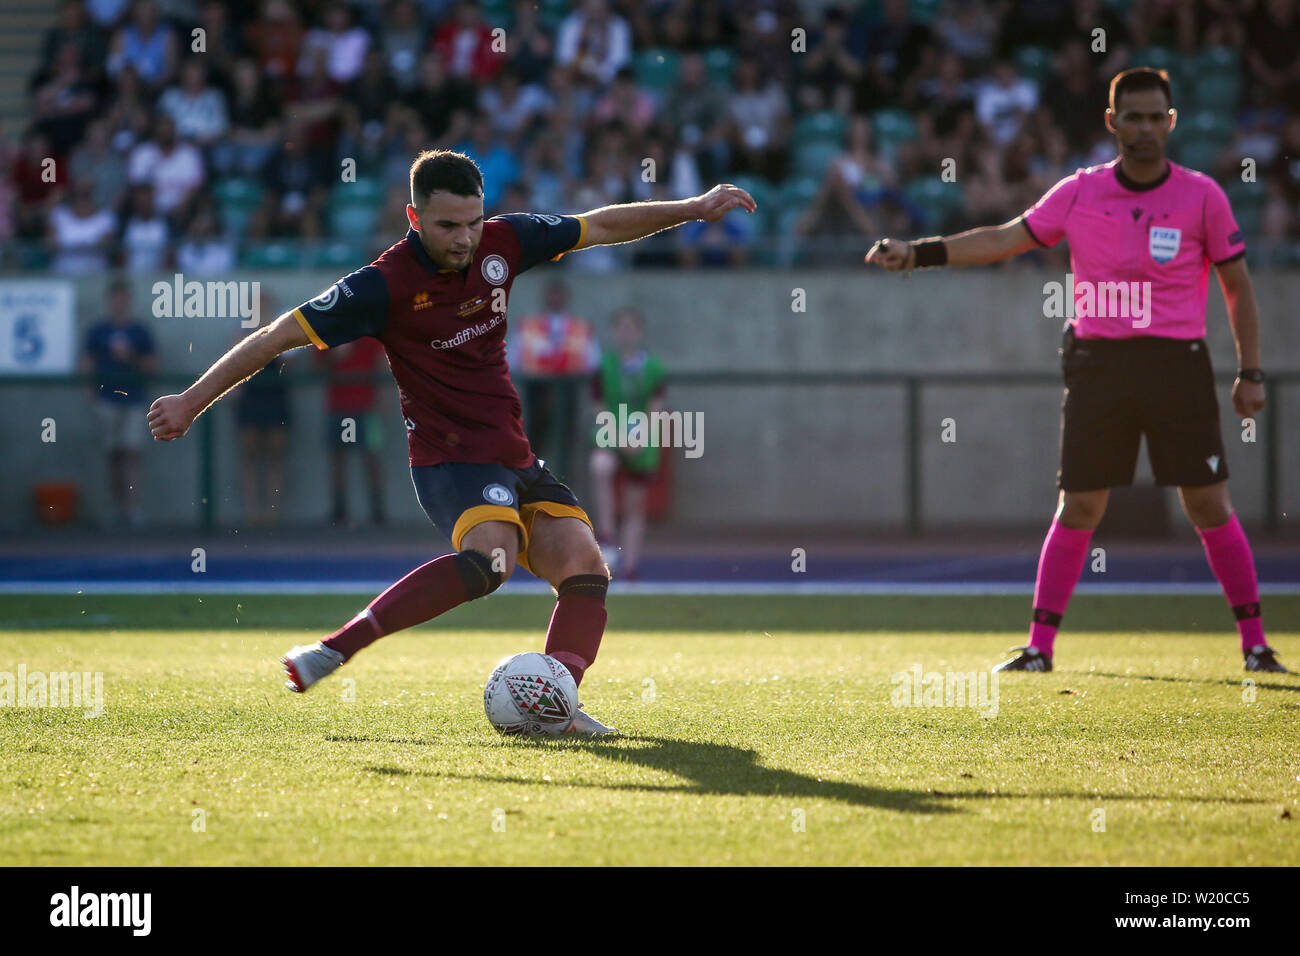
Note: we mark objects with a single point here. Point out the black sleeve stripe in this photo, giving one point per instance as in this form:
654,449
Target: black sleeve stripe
1025,222
1224,262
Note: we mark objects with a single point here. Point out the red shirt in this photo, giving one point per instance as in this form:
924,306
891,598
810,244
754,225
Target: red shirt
350,389
444,331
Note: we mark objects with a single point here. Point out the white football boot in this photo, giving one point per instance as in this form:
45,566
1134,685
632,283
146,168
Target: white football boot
306,664
585,725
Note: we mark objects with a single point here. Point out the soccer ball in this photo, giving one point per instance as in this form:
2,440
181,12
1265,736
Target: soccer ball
530,695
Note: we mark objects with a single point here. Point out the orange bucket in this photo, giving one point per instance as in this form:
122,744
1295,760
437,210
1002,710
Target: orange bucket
55,501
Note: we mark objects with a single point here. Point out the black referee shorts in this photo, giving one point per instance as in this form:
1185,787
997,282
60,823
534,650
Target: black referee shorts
1117,390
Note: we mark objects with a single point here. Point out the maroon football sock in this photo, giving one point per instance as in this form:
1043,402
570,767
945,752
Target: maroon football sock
578,622
431,589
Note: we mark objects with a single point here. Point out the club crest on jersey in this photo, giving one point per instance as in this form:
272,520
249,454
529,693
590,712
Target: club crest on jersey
325,301
498,494
1165,243
495,269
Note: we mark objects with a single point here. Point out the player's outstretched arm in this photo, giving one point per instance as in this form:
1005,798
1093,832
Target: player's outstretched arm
628,222
170,416
976,247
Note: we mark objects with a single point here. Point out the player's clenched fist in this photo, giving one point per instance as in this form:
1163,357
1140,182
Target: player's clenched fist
720,200
169,418
891,254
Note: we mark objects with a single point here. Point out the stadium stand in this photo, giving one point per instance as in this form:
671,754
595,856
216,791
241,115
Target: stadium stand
997,87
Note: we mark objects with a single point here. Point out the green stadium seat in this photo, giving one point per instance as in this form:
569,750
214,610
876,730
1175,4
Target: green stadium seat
237,200
1216,79
336,254
924,11
276,254
1199,154
237,190
363,190
891,127
353,219
764,193
720,63
1207,125
813,159
941,200
1248,201
656,69
797,193
823,126
553,14
1034,63
498,13
32,256
1217,59
1161,58
1219,93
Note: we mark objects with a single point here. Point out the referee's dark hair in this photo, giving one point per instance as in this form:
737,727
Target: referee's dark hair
444,170
1137,79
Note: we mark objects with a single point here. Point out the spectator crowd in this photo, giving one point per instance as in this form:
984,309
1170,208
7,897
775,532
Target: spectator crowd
205,134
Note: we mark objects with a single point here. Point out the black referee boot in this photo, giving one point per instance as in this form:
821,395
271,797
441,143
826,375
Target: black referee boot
1261,657
1031,659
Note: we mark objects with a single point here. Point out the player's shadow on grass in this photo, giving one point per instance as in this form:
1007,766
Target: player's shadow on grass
721,770
1223,682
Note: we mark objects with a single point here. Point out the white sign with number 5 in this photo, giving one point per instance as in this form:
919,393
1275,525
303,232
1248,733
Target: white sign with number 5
37,328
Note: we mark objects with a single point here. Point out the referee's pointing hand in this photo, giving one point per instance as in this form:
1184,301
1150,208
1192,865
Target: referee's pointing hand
891,254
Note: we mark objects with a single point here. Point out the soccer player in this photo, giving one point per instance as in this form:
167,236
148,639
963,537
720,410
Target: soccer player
1143,233
437,301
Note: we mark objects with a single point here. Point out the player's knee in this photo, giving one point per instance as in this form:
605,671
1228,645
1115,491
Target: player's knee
588,563
481,573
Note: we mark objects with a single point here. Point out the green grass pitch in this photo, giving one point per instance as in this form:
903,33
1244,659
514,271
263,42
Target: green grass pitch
757,730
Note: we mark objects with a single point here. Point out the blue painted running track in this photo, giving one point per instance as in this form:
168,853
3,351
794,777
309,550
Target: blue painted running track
910,571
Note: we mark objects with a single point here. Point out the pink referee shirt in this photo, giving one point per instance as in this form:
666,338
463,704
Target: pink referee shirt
1140,253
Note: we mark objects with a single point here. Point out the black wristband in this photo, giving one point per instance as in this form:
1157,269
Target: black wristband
1251,374
930,253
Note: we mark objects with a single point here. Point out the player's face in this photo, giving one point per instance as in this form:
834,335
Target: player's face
450,228
1141,122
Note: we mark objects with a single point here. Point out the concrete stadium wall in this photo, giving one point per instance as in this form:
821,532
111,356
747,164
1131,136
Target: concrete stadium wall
795,456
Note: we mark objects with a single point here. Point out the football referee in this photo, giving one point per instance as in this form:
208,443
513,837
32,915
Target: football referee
1143,234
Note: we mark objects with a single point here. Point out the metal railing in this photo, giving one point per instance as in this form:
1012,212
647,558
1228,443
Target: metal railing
912,383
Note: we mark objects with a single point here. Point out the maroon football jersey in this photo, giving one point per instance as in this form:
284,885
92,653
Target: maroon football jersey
445,334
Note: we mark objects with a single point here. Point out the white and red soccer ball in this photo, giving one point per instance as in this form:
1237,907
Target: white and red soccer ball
530,695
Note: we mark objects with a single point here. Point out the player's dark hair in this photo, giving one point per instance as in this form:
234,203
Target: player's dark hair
444,170
1137,79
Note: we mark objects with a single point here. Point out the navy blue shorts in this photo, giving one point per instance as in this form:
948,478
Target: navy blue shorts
457,496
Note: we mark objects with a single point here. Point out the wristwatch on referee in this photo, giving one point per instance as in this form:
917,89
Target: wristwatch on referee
1251,375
